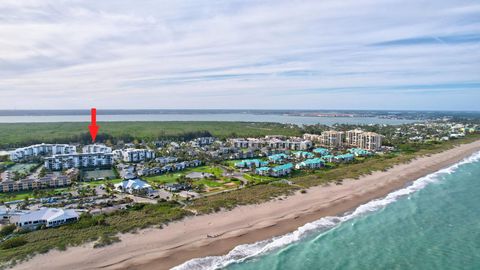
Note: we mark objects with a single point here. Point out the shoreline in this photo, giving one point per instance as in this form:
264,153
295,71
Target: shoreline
187,239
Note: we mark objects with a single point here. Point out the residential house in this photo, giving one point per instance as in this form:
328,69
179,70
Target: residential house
303,154
249,163
281,170
277,158
133,186
343,158
313,163
321,151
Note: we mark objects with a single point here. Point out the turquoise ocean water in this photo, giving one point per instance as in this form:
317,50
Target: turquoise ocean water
433,223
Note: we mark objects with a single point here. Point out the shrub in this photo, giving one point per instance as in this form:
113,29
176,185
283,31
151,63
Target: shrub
13,243
106,240
7,230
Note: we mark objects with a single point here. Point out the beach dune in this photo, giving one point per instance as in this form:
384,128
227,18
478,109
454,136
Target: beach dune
218,233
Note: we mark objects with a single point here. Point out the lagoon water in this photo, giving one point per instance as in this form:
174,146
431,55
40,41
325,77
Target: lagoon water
246,117
432,224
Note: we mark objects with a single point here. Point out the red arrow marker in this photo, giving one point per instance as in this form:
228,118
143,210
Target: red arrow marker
93,126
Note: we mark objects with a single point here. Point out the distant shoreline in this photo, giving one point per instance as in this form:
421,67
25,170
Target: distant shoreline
187,239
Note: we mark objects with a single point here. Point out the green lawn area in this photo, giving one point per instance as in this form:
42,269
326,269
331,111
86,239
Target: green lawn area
258,178
163,178
215,184
22,195
14,196
172,177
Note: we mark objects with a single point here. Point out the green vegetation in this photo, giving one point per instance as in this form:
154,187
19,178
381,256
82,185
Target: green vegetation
265,190
30,194
28,133
6,230
91,228
13,243
104,228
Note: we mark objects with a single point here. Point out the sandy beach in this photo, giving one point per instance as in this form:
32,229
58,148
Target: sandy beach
187,239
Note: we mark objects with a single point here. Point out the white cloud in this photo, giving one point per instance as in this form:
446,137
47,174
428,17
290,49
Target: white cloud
238,54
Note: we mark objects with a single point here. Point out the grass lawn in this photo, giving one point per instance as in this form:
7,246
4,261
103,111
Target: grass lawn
259,178
172,177
15,196
22,195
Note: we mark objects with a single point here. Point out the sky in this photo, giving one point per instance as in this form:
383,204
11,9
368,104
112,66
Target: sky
318,54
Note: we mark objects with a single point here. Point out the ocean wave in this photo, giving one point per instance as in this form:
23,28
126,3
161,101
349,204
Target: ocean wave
248,251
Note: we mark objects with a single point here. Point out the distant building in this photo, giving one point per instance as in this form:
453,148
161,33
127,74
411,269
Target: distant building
331,138
321,151
134,155
202,141
37,150
273,142
303,154
49,217
248,163
277,158
96,148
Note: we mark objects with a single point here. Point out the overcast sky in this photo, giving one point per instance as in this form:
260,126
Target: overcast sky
319,54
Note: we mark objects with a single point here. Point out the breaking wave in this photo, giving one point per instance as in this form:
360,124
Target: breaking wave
247,251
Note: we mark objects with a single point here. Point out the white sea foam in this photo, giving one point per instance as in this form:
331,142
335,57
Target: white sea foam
247,251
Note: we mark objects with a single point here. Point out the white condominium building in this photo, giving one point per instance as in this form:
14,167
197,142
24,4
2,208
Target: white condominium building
365,140
370,141
41,150
274,142
134,155
331,138
353,137
85,160
96,148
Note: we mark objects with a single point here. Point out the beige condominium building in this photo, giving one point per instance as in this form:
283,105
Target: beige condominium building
365,140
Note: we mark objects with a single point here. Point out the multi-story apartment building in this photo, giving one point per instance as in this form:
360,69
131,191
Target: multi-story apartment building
96,148
49,181
134,155
41,150
370,141
273,142
331,138
85,160
353,137
202,141
365,140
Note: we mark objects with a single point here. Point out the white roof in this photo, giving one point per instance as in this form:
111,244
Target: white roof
133,184
48,214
